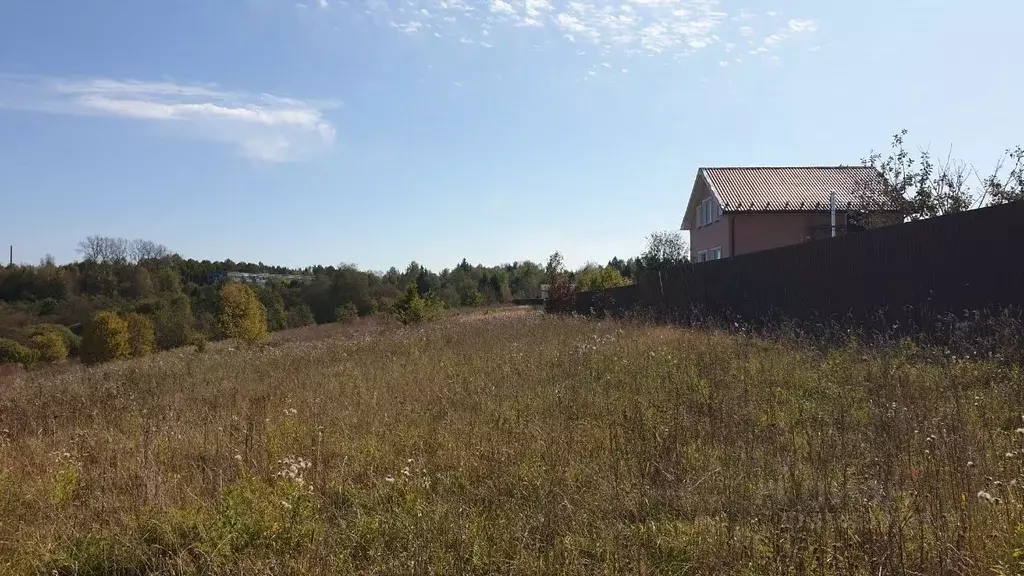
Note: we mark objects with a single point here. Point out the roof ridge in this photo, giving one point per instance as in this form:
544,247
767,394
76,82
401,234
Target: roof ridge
807,167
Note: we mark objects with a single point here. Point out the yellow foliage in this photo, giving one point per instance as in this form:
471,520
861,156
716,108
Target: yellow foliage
107,338
51,347
242,316
143,334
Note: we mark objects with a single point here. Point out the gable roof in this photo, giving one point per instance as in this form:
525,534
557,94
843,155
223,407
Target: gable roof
791,189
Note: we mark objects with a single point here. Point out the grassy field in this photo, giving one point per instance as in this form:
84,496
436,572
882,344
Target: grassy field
513,443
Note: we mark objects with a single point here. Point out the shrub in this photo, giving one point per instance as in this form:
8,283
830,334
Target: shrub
299,316
50,346
413,309
596,278
72,341
12,352
172,319
347,313
561,297
242,316
143,334
200,343
107,338
472,298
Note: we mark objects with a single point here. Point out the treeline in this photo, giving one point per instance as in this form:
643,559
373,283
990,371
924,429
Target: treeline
182,297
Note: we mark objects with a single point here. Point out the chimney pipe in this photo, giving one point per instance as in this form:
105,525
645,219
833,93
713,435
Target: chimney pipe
832,204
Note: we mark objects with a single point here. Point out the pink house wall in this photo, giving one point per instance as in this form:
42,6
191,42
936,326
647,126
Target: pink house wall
711,236
764,231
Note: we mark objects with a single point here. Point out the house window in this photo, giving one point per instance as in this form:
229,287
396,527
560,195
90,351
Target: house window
704,212
715,253
702,256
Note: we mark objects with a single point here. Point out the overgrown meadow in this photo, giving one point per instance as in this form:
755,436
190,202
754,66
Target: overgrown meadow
514,443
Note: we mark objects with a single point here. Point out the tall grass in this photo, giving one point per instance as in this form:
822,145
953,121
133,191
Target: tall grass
515,444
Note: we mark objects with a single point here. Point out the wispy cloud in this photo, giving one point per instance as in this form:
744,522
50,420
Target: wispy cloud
259,126
803,25
630,27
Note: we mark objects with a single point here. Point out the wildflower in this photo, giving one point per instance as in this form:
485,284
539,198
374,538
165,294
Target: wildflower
389,479
970,464
985,496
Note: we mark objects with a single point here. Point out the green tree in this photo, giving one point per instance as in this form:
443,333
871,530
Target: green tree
242,317
143,334
272,298
593,278
167,281
664,250
300,315
141,284
347,313
107,338
554,268
172,317
414,309
499,284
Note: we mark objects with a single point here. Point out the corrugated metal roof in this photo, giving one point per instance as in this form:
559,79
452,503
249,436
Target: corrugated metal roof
795,188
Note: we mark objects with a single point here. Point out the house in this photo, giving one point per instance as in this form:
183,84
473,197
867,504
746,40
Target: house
257,278
735,211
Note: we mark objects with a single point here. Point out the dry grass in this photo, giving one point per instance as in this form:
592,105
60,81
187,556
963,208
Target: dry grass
527,445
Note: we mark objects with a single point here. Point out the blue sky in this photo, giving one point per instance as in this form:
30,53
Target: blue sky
377,132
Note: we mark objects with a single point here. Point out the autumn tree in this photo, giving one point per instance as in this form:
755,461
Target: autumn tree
50,345
242,317
593,278
143,334
107,338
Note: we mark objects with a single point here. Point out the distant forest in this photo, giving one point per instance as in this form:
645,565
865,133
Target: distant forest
182,295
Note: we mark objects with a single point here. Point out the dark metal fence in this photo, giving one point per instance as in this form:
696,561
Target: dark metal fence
909,274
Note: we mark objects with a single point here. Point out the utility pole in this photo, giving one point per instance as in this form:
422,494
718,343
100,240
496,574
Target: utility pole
12,255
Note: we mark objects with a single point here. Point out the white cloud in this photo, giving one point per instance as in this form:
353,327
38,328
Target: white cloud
323,4
529,22
570,23
537,7
260,126
676,28
407,27
501,7
803,25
